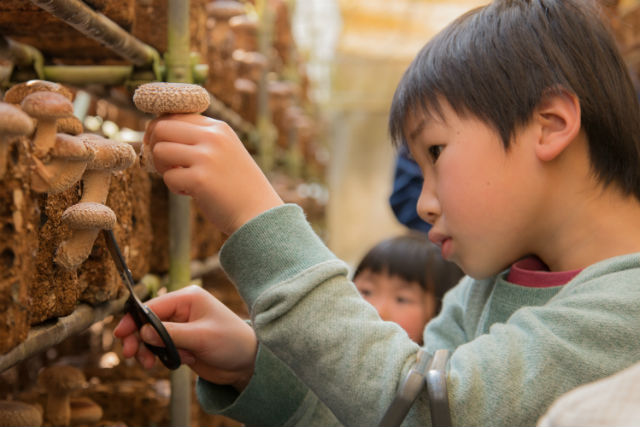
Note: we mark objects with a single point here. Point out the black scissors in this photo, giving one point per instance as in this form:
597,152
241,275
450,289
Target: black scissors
141,313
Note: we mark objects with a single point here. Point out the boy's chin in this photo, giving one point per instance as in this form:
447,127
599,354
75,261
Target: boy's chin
481,272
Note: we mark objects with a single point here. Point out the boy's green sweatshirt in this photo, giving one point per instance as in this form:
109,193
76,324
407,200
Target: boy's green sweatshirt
326,358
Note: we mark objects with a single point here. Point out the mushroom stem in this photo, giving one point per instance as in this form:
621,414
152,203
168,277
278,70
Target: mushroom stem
58,409
74,251
95,186
4,151
45,137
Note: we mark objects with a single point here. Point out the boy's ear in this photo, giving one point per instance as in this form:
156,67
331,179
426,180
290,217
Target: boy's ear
558,115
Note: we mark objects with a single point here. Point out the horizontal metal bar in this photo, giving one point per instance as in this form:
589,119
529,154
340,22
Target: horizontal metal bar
88,74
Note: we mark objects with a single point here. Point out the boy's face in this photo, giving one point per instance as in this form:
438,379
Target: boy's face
482,200
397,300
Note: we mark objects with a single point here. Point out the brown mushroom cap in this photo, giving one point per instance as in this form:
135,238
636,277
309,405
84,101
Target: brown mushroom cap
14,121
47,105
71,125
17,93
224,9
171,98
89,215
243,85
16,414
84,411
62,378
70,147
109,154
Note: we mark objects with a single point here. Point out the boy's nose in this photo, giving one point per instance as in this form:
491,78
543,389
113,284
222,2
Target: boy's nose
428,205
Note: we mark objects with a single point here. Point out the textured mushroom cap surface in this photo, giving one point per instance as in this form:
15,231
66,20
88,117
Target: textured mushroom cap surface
88,216
16,93
71,125
62,378
109,154
70,147
14,121
171,98
224,9
42,105
15,414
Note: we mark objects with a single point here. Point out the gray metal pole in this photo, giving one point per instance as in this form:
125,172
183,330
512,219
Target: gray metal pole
179,70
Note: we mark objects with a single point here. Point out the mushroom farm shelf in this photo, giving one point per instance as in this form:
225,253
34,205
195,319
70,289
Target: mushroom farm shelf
48,334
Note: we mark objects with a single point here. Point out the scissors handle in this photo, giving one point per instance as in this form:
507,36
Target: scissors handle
141,314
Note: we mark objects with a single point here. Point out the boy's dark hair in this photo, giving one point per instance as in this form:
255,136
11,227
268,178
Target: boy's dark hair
496,62
414,258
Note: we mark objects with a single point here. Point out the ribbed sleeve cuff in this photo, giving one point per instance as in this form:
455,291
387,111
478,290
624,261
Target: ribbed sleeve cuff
274,246
271,398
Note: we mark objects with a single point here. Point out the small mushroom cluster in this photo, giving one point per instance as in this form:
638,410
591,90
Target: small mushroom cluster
63,408
59,158
90,214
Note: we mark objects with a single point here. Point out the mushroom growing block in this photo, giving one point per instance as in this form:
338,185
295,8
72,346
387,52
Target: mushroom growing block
16,93
18,238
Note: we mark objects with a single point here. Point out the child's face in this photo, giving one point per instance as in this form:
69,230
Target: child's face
397,300
482,200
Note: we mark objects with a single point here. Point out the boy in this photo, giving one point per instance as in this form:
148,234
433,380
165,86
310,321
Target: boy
525,125
404,278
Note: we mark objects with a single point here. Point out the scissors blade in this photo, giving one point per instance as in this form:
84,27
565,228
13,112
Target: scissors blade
116,254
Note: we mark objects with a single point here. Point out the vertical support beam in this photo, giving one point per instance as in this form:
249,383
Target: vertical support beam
266,129
179,70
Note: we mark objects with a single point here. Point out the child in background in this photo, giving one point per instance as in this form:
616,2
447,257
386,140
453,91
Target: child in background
524,122
405,278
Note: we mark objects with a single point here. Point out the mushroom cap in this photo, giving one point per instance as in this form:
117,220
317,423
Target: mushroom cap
14,121
245,86
71,125
16,93
88,216
84,411
171,98
62,378
109,154
71,147
43,105
244,23
15,414
224,9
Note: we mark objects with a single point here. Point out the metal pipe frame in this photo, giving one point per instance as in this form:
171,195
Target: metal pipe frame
102,29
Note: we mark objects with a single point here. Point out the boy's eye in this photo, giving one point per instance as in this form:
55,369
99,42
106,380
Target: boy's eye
434,151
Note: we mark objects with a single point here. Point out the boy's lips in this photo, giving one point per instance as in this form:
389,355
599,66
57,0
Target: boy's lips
442,240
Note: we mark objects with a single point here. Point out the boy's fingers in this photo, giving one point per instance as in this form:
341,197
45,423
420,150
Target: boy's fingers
175,179
126,327
181,128
130,346
184,335
167,155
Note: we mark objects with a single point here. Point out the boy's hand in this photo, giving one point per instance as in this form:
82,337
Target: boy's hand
203,158
217,344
